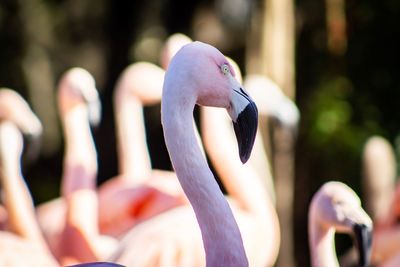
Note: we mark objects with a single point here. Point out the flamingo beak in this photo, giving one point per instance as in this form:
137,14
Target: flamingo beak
32,144
363,239
94,112
245,124
32,136
92,99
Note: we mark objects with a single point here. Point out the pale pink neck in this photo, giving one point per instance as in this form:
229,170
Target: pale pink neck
322,246
221,236
133,156
80,172
80,157
240,180
17,198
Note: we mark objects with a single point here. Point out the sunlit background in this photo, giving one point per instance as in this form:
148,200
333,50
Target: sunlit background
339,60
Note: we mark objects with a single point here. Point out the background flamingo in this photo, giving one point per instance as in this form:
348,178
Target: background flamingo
251,204
73,234
23,244
337,208
381,198
139,192
379,173
274,105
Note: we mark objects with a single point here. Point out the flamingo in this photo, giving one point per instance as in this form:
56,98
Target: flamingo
173,235
138,192
272,101
71,222
172,239
23,244
335,207
382,198
15,109
171,46
200,74
252,205
379,173
172,230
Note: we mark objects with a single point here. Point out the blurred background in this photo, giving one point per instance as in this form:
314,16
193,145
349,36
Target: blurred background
338,59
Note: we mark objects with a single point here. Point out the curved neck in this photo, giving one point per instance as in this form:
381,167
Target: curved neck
133,156
322,246
240,180
80,158
221,237
79,173
17,198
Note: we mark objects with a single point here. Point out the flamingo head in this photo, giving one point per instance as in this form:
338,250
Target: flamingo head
338,206
172,45
77,87
15,109
205,71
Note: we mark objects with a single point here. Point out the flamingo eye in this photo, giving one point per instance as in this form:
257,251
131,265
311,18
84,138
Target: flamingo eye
225,69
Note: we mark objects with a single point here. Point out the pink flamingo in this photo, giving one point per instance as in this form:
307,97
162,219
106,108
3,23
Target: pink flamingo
179,241
24,244
272,100
75,236
139,192
171,46
200,74
156,234
379,173
224,247
15,109
252,206
336,208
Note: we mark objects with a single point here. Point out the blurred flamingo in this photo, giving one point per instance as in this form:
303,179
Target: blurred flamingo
70,223
337,208
251,204
138,192
382,199
379,174
23,243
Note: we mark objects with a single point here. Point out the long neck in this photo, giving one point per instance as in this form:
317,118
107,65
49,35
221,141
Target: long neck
17,198
80,171
80,158
221,236
133,156
322,246
241,181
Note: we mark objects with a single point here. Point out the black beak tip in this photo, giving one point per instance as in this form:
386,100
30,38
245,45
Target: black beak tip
246,129
31,150
94,114
363,238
